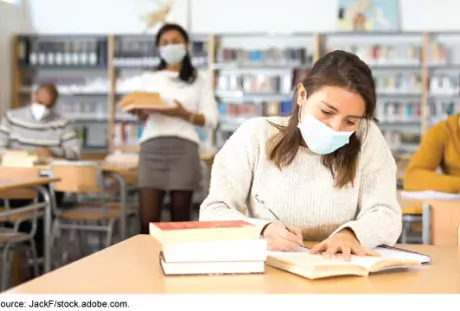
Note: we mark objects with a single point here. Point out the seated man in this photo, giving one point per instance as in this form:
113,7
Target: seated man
38,128
439,148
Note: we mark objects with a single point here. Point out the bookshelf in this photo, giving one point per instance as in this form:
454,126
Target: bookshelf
396,60
416,76
443,85
78,65
254,75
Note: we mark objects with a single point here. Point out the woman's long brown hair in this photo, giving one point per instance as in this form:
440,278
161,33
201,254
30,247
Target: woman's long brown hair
340,69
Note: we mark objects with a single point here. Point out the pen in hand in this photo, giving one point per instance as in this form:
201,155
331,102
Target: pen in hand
262,202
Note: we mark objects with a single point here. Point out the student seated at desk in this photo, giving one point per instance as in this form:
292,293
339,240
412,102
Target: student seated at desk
38,128
439,148
326,170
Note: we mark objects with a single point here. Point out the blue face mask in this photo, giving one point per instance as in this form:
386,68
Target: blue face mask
173,54
320,138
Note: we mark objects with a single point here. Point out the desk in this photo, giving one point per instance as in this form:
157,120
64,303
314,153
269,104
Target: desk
132,267
441,218
445,220
36,184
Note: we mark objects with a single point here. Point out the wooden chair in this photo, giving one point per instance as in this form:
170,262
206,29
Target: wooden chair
11,239
95,213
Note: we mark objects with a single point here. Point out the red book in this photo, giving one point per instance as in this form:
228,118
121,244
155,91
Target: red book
196,231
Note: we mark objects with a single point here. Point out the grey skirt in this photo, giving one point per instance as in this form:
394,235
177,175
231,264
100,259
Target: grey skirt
169,163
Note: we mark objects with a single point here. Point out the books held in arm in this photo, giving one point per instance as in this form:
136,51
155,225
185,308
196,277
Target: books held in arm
210,247
302,263
146,101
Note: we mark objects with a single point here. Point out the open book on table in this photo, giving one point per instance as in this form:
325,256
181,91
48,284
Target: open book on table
302,263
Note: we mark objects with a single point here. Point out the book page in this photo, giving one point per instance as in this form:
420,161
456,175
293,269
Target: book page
401,254
301,256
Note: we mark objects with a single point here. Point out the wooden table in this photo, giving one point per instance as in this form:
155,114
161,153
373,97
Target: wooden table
132,267
38,184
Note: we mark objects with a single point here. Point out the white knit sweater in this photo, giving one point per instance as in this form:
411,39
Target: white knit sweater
302,194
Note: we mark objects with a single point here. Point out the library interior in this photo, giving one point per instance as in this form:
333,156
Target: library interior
309,139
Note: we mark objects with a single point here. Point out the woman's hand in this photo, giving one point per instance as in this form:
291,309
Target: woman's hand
280,239
344,242
177,111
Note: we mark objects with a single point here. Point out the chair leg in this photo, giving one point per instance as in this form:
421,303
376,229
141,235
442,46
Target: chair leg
109,233
405,231
5,268
100,235
33,250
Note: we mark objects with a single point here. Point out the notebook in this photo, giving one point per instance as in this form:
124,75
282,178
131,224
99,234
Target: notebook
300,262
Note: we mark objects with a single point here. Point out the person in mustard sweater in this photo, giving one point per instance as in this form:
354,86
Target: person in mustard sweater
439,148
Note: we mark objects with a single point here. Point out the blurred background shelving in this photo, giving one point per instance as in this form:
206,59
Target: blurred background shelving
416,76
255,74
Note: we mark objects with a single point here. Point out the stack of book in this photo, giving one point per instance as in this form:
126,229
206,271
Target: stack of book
141,101
221,247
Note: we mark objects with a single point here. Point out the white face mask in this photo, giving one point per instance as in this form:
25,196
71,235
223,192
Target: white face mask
320,138
39,111
173,54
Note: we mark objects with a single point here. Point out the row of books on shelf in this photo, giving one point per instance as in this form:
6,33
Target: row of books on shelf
397,83
384,54
273,83
446,84
283,83
439,110
400,141
398,111
78,52
255,83
438,53
143,53
93,52
127,133
273,56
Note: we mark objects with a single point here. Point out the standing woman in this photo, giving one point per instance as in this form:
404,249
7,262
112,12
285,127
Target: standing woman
169,155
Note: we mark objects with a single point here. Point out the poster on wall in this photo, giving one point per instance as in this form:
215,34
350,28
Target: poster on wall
368,15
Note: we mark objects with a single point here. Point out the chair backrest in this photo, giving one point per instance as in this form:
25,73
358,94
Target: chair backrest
13,173
77,177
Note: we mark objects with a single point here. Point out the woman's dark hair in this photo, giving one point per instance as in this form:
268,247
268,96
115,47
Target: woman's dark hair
187,73
340,69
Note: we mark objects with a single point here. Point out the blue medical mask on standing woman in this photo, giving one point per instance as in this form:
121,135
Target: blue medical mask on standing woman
320,138
173,54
